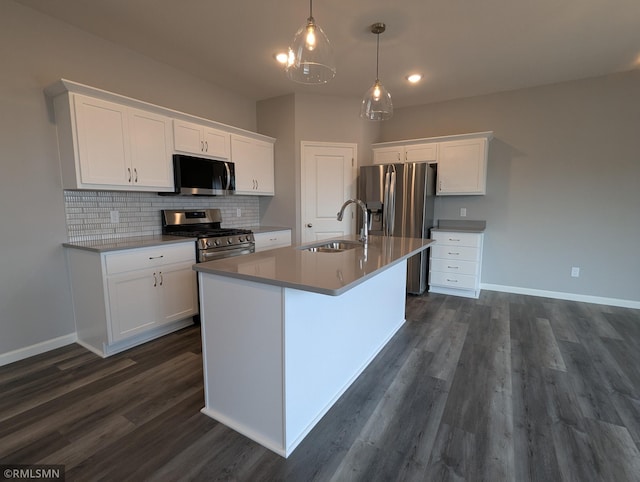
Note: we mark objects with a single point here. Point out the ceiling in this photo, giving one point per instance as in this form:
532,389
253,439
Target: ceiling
463,47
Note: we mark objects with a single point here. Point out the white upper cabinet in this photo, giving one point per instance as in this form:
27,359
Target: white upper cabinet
388,155
461,159
103,149
200,140
106,145
150,149
409,153
421,152
254,167
462,167
111,142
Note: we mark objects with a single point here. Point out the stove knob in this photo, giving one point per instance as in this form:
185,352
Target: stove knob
217,242
240,239
229,241
208,244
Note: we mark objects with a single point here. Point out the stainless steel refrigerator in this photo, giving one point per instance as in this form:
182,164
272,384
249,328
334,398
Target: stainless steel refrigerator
400,200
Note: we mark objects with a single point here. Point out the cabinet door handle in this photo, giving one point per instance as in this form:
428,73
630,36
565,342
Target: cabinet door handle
129,169
257,184
156,257
206,146
452,280
201,146
155,280
161,278
135,171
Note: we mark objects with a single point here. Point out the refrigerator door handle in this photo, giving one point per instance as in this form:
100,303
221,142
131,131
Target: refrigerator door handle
385,201
392,201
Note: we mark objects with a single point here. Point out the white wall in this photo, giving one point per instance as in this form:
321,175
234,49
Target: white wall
307,117
36,50
563,184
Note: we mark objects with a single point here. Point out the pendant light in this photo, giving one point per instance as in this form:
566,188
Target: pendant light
376,104
310,55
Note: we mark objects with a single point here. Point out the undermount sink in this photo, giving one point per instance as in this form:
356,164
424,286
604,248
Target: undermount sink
332,246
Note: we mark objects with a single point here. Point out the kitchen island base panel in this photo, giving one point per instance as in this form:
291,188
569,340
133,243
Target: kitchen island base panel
304,351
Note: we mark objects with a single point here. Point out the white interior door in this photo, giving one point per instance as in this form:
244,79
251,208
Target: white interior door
328,179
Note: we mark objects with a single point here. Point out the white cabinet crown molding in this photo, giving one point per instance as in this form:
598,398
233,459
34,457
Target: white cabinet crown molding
64,85
455,137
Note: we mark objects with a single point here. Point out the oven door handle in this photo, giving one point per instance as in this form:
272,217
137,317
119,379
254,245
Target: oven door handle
225,253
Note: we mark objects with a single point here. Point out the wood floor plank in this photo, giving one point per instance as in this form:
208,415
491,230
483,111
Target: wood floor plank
549,350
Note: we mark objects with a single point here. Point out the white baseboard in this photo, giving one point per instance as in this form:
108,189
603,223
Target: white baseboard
29,351
559,295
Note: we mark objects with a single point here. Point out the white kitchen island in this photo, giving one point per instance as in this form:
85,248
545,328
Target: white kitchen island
285,332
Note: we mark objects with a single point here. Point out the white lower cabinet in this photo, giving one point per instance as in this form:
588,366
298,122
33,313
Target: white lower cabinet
126,297
272,239
455,263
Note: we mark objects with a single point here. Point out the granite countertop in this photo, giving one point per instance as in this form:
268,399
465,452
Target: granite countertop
459,226
266,229
325,273
101,246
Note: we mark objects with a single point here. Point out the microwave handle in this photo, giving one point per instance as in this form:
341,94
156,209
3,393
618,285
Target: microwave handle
226,165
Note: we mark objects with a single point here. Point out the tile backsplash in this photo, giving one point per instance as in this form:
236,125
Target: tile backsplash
89,212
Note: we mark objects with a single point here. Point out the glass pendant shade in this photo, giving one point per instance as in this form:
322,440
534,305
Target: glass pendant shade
310,56
376,104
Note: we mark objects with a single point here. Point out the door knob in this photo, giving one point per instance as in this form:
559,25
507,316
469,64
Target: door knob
309,225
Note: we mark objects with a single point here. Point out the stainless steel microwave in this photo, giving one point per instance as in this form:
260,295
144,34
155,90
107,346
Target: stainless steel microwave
198,176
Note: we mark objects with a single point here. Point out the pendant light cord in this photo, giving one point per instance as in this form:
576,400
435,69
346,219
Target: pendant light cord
377,55
310,8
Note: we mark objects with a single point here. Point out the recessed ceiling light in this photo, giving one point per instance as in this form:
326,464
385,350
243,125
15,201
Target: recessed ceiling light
281,57
414,78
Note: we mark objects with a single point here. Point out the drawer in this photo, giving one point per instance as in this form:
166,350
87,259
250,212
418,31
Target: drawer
457,239
272,239
463,253
141,258
454,266
452,280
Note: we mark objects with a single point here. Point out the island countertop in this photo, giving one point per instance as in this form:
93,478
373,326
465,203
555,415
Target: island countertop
325,273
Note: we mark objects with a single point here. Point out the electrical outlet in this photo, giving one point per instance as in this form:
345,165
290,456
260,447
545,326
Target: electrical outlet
463,212
115,217
575,272
238,212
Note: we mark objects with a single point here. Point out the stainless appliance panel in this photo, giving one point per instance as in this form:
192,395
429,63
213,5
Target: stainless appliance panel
400,200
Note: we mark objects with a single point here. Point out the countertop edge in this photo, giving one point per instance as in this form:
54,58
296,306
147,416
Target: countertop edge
120,244
457,230
266,229
306,287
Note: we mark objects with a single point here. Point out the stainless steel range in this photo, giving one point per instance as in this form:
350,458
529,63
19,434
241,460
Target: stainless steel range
213,242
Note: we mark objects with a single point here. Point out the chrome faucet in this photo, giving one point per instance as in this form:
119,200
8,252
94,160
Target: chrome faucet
364,232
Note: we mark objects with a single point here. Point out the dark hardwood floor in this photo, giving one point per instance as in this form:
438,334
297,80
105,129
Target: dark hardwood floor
504,388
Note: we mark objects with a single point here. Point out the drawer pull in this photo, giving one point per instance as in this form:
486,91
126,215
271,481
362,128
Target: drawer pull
453,267
452,280
453,239
457,254
162,256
